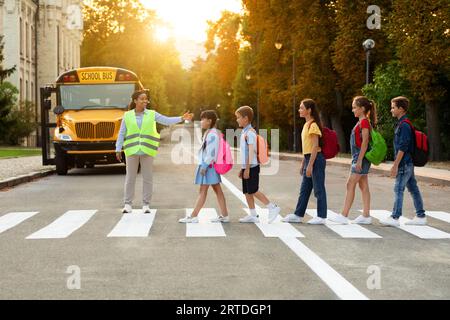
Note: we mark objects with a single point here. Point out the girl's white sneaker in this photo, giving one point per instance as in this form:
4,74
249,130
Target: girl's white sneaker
317,220
339,219
362,220
220,219
292,218
189,219
127,209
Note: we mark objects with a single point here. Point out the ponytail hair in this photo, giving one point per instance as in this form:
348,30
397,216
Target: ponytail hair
134,96
370,108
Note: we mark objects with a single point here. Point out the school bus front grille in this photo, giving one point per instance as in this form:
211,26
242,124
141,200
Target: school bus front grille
88,130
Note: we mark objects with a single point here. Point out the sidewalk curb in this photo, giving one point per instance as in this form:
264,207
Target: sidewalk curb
14,181
374,169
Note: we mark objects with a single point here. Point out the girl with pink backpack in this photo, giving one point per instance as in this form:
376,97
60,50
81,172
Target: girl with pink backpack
207,173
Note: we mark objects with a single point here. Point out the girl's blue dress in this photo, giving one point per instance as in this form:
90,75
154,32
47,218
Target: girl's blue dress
206,156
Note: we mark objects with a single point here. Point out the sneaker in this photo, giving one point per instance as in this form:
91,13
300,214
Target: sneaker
146,209
273,213
339,219
362,220
317,220
417,221
249,219
221,219
189,219
389,221
127,209
292,218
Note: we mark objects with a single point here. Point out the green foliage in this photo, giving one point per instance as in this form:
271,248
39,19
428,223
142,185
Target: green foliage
388,84
8,99
22,122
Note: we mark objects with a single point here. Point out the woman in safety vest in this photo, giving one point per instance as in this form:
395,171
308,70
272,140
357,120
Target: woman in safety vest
140,141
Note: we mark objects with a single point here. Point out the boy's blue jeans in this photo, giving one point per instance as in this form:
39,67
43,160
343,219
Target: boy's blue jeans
406,178
316,182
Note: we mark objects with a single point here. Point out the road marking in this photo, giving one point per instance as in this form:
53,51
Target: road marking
205,228
135,224
423,232
65,225
440,215
341,287
277,228
12,219
345,230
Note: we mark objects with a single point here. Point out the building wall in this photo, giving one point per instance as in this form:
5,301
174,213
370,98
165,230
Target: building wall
40,41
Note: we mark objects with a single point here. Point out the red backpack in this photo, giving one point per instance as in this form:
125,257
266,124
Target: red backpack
330,144
420,152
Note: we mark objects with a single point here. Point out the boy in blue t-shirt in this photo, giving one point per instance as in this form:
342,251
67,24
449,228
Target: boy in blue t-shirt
250,167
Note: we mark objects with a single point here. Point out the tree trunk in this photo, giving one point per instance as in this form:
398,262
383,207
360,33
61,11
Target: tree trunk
434,138
336,123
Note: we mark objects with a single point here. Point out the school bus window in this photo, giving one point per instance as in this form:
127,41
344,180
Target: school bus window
97,96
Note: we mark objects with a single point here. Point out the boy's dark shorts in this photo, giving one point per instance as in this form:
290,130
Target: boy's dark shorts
251,185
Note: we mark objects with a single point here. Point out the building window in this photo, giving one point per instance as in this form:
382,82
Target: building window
27,91
27,40
21,37
32,91
21,89
33,43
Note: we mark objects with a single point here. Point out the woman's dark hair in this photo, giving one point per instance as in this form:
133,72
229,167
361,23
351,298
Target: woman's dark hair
134,96
210,115
370,109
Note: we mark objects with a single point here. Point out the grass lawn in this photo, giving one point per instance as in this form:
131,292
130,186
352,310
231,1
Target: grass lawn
8,152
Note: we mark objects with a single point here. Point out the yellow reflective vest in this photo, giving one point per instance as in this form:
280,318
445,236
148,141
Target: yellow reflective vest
145,139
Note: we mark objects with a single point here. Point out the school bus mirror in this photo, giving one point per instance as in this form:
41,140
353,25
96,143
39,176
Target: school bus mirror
47,92
47,104
58,110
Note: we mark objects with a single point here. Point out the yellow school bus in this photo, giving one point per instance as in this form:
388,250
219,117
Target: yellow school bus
88,105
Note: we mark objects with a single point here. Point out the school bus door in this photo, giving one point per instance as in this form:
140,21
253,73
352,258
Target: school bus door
48,123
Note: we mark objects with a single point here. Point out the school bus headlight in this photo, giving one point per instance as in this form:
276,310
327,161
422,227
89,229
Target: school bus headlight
65,137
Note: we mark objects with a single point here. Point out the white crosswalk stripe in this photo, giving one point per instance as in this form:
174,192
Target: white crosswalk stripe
423,232
276,228
135,224
440,215
65,225
204,228
12,219
347,230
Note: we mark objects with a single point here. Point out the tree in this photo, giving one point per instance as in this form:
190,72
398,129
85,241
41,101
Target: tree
4,73
420,32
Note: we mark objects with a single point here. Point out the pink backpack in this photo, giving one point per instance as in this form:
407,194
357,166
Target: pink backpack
224,161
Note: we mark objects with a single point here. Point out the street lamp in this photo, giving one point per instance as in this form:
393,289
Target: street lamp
278,46
368,45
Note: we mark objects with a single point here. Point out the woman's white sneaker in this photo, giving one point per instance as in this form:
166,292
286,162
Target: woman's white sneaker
417,221
249,219
292,218
339,218
362,220
189,219
317,220
273,213
221,219
146,209
389,221
127,209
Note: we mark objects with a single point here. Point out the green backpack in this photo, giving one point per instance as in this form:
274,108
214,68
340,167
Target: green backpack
378,148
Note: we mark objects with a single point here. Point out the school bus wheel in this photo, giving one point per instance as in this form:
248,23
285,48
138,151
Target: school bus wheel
61,161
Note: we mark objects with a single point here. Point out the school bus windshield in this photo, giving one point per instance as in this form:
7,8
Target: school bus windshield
98,96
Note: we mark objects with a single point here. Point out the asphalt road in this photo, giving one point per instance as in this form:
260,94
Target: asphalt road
244,264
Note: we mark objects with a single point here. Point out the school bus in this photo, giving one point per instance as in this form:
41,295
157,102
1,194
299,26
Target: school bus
81,115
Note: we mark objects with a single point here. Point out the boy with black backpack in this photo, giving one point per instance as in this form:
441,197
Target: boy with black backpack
403,168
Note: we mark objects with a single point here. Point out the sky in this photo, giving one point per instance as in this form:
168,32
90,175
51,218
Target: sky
186,22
